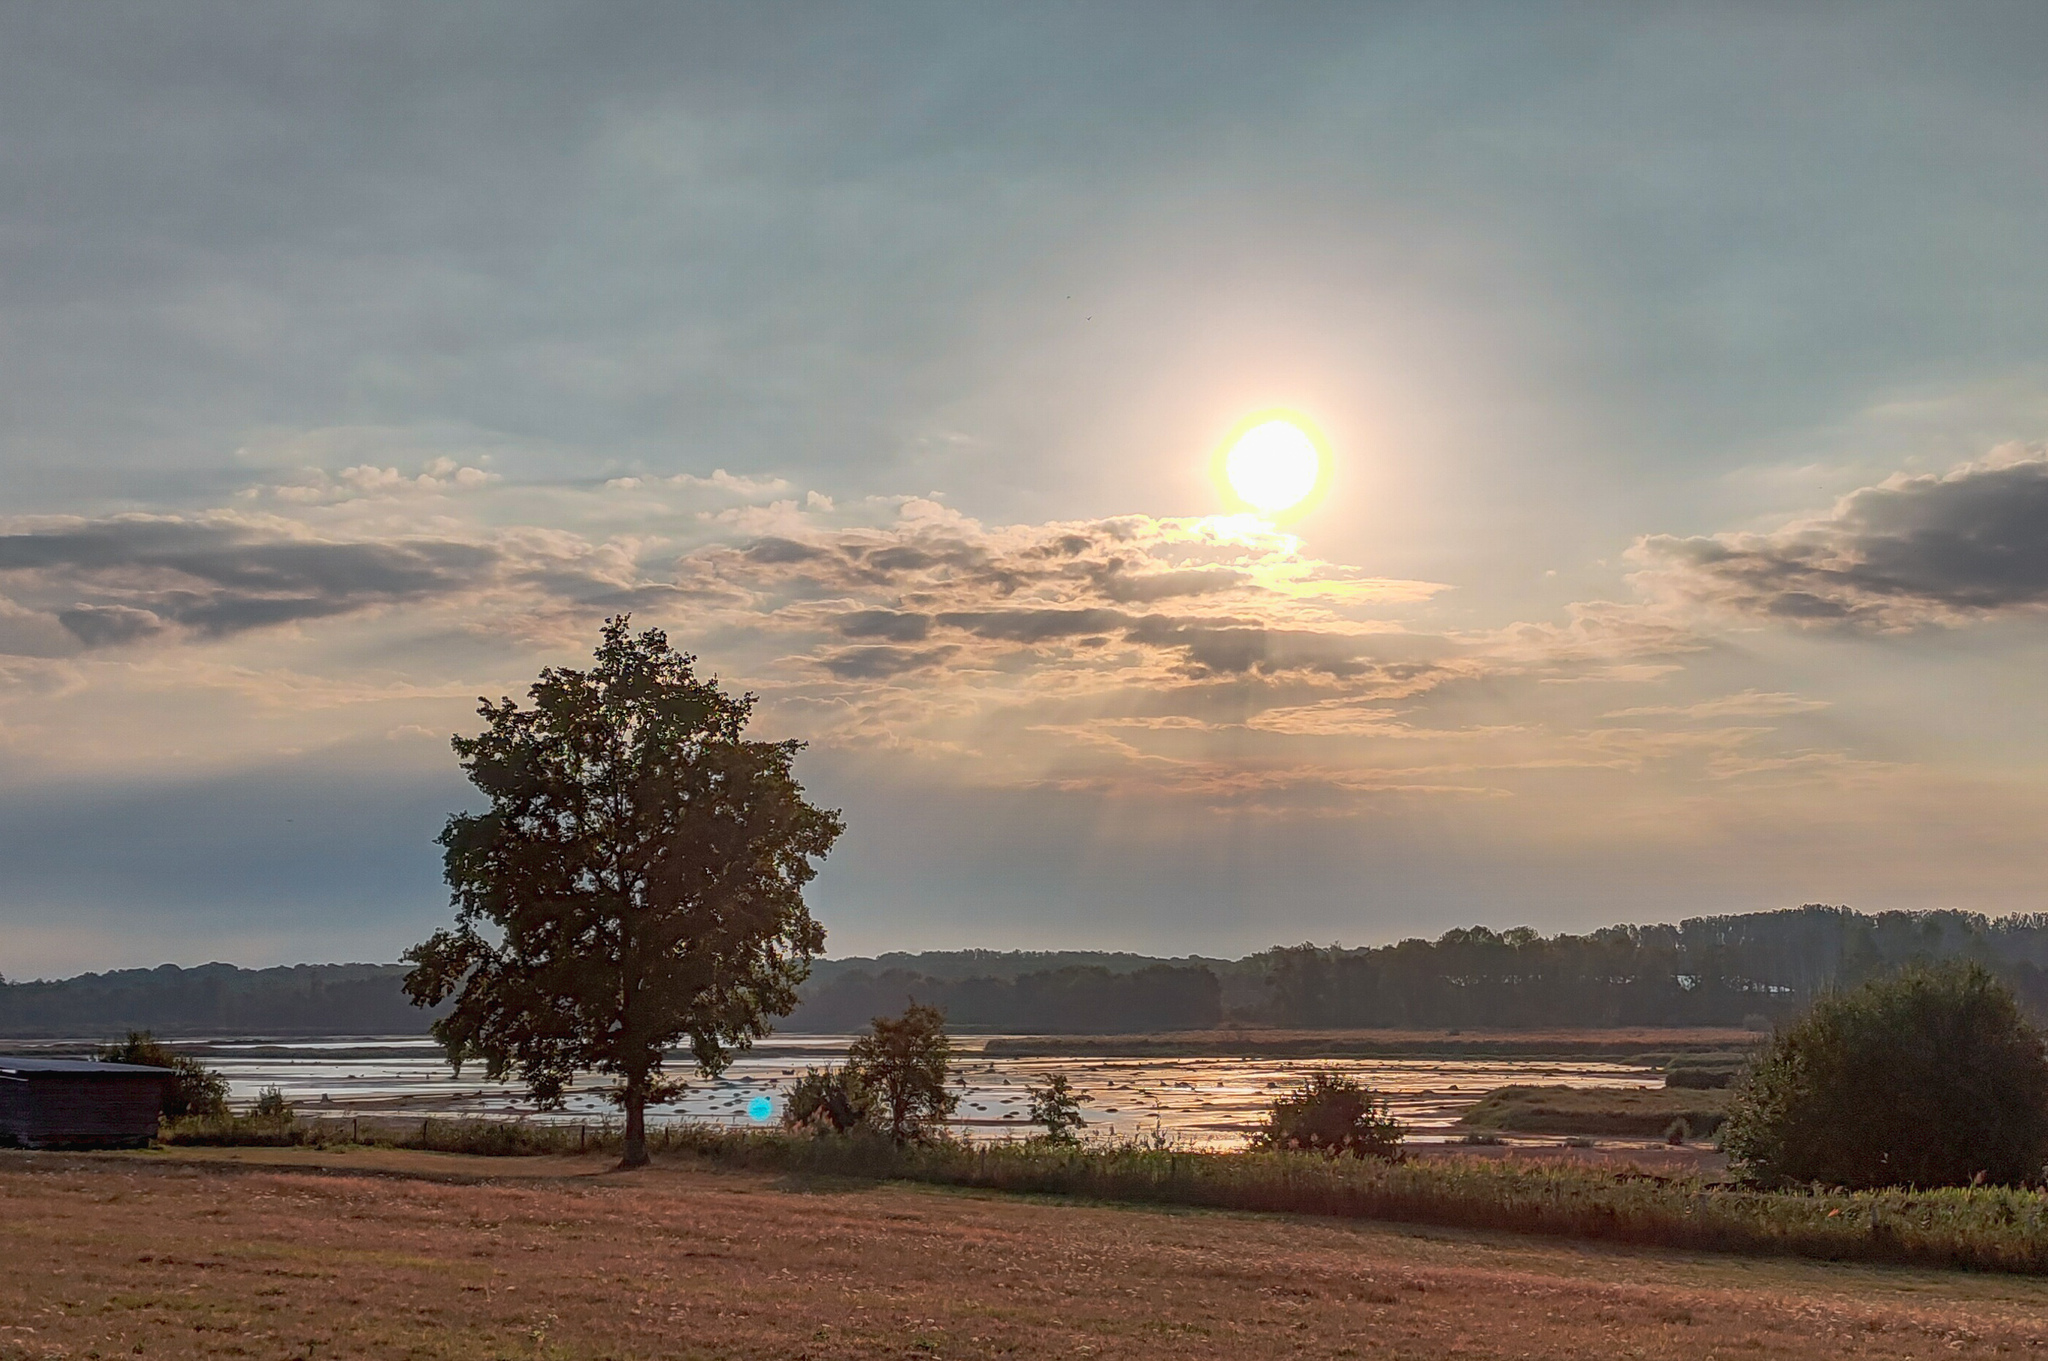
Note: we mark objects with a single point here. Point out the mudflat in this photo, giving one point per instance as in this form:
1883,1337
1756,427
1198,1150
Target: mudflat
323,1253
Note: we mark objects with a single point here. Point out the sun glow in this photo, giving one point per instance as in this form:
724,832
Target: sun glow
1274,465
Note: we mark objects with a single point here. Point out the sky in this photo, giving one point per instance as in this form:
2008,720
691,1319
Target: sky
1683,373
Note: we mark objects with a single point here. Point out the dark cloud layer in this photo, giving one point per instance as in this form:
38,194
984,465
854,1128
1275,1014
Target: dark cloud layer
1907,552
131,577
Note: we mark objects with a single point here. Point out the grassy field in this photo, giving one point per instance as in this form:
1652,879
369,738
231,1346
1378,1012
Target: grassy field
387,1253
1986,1228
1639,1112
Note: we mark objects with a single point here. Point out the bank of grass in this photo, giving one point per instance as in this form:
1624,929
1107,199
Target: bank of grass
1640,1112
1981,1228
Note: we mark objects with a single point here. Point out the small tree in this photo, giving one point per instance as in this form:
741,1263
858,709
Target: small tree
636,881
904,1062
1056,1106
194,1089
828,1101
1333,1114
1931,1077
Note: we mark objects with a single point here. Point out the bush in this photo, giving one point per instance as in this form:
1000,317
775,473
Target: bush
828,1101
905,1062
196,1090
1333,1114
271,1105
1931,1077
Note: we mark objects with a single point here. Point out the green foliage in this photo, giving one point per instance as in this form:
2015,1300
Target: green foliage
1703,971
1332,1114
195,1090
829,1100
637,881
1928,1078
904,1062
1056,1107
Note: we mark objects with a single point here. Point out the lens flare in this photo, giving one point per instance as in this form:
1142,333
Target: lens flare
759,1109
1274,465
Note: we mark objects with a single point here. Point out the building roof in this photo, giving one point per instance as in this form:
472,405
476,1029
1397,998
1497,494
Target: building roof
14,1066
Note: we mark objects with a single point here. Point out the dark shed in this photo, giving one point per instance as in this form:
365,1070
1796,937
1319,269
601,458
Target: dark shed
79,1103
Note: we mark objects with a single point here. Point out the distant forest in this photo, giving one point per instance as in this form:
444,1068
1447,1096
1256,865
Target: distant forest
1736,970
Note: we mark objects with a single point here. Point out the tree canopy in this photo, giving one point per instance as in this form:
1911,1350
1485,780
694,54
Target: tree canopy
904,1062
1931,1077
636,881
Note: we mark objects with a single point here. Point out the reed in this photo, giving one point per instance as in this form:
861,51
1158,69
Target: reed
1979,1228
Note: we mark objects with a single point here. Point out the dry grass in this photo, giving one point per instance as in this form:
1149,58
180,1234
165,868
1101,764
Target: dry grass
388,1253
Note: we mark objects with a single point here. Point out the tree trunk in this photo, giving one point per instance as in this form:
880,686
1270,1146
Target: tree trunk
636,1126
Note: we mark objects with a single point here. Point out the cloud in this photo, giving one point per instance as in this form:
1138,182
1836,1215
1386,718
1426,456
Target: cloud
1906,553
748,488
140,575
1748,704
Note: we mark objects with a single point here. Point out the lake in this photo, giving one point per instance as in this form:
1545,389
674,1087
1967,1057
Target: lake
1204,1102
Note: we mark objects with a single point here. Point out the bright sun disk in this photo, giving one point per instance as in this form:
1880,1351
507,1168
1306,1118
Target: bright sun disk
1273,466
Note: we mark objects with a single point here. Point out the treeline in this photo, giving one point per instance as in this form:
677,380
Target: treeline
215,999
1719,971
1076,999
1716,971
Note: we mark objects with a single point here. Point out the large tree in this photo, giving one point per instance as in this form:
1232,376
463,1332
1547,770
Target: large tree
636,881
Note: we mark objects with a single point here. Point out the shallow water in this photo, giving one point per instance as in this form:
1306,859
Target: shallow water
1209,1102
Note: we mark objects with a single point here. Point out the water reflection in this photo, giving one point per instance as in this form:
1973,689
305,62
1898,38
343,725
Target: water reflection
1199,1102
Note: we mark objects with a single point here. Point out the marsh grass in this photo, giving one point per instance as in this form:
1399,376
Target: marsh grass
1643,1112
1977,1228
1982,1228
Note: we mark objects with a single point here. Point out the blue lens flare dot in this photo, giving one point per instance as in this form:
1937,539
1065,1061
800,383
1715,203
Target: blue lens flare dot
759,1109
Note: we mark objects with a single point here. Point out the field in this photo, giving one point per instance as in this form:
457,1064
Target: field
389,1253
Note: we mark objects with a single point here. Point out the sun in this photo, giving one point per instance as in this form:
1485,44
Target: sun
1274,465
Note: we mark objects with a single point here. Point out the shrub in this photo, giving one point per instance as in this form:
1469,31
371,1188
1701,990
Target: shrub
1333,1114
1931,1077
271,1105
828,1101
194,1090
904,1062
1056,1106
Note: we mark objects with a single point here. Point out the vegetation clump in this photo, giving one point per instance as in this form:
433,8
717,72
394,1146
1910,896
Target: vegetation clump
1332,1114
1932,1077
195,1090
1618,1112
829,1100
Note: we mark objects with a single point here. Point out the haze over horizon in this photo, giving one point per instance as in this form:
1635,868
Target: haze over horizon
1683,374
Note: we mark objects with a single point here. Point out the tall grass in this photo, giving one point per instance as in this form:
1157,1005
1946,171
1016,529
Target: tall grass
1977,1228
1983,1228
